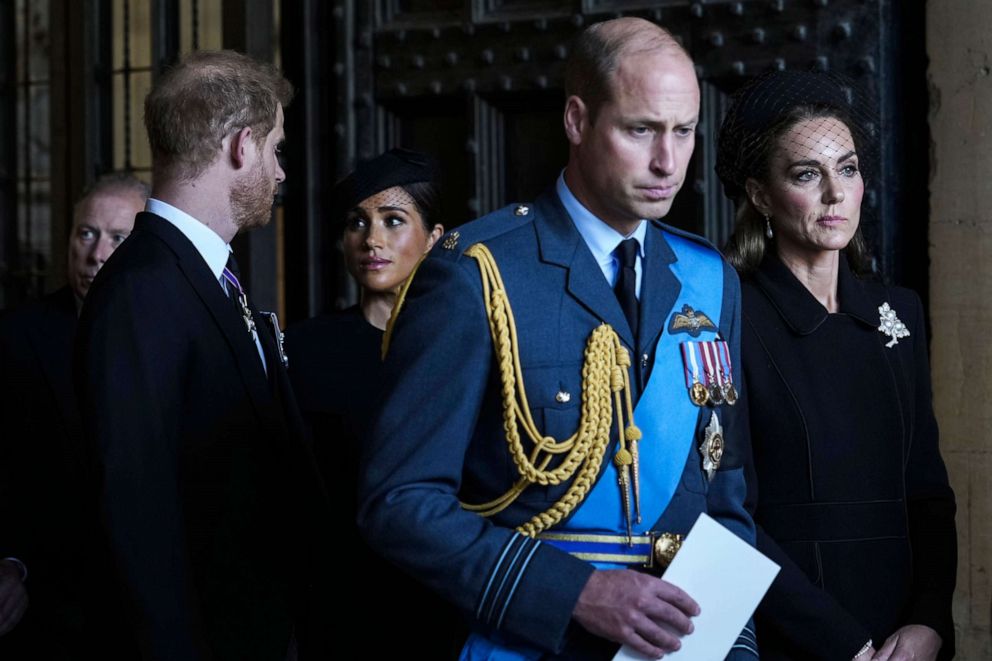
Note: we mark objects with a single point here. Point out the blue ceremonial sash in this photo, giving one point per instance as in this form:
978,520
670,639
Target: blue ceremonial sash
666,416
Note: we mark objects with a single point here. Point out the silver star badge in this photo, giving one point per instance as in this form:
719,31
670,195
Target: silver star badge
890,325
712,446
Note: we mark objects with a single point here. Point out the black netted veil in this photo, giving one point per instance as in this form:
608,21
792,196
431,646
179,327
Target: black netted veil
761,109
396,167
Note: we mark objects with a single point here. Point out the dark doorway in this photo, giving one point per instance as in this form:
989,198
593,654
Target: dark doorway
479,84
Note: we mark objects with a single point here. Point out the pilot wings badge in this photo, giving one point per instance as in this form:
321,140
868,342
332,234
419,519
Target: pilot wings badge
690,321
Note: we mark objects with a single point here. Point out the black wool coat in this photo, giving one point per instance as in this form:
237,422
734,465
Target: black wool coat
847,485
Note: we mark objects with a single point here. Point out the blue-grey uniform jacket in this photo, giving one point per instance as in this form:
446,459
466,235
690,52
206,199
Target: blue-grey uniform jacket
439,437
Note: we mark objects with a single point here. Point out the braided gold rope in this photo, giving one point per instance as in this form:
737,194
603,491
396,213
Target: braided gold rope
604,376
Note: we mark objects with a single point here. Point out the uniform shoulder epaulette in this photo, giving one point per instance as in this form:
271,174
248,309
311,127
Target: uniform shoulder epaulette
456,241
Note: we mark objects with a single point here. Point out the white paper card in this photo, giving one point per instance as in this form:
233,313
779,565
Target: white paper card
727,578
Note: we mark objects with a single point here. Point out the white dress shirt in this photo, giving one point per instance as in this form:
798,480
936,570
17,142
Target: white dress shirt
207,242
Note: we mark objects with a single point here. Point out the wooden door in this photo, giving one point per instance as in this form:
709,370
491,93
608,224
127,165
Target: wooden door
478,83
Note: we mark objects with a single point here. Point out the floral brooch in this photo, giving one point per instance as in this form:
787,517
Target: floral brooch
890,325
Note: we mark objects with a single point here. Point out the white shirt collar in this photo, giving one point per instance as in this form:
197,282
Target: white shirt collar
600,237
206,241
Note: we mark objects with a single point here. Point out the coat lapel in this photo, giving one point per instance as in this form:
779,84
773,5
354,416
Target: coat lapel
800,309
560,243
659,286
220,309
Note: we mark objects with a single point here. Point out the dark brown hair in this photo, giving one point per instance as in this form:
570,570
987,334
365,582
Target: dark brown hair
427,199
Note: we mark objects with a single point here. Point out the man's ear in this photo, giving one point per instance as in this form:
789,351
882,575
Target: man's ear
576,119
239,146
758,197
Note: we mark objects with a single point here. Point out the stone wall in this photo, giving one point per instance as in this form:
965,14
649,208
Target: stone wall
959,43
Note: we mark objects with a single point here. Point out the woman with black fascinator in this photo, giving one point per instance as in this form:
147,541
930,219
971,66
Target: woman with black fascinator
847,485
387,213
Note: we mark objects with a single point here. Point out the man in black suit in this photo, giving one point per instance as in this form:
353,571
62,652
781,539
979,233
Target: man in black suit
40,471
210,498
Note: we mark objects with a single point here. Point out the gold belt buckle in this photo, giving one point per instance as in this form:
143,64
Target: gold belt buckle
664,546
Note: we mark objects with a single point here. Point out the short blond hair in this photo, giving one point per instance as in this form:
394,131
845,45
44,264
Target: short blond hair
203,99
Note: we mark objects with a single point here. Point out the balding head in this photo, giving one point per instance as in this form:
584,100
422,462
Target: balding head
630,119
598,50
207,96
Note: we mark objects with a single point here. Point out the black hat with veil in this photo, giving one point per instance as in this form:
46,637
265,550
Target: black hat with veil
781,110
764,108
397,168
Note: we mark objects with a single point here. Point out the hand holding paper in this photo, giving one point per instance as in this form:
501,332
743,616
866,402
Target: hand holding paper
727,578
646,612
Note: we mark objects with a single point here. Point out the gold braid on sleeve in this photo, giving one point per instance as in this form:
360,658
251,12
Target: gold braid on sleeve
605,381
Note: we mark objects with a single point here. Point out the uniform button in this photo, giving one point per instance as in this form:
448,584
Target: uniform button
644,360
522,210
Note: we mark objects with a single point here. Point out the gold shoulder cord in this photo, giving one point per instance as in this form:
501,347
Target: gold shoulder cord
604,375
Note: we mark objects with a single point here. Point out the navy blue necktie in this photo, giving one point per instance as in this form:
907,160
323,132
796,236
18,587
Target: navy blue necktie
626,287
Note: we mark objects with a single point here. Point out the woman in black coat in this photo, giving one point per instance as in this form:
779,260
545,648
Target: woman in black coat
847,485
387,209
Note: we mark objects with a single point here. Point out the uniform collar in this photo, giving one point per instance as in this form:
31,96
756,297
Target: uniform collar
600,237
800,309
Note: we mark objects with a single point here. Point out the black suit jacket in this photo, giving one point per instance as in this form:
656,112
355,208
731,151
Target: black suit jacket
210,498
41,520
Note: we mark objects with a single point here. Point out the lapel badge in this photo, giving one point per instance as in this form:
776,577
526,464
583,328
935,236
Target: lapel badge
279,336
712,446
451,241
890,325
521,210
690,321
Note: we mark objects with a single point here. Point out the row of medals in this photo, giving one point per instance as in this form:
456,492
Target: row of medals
713,394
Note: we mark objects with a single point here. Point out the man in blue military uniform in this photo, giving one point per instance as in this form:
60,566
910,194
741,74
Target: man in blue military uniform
522,463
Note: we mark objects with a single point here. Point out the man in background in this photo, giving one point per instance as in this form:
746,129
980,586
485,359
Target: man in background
41,475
